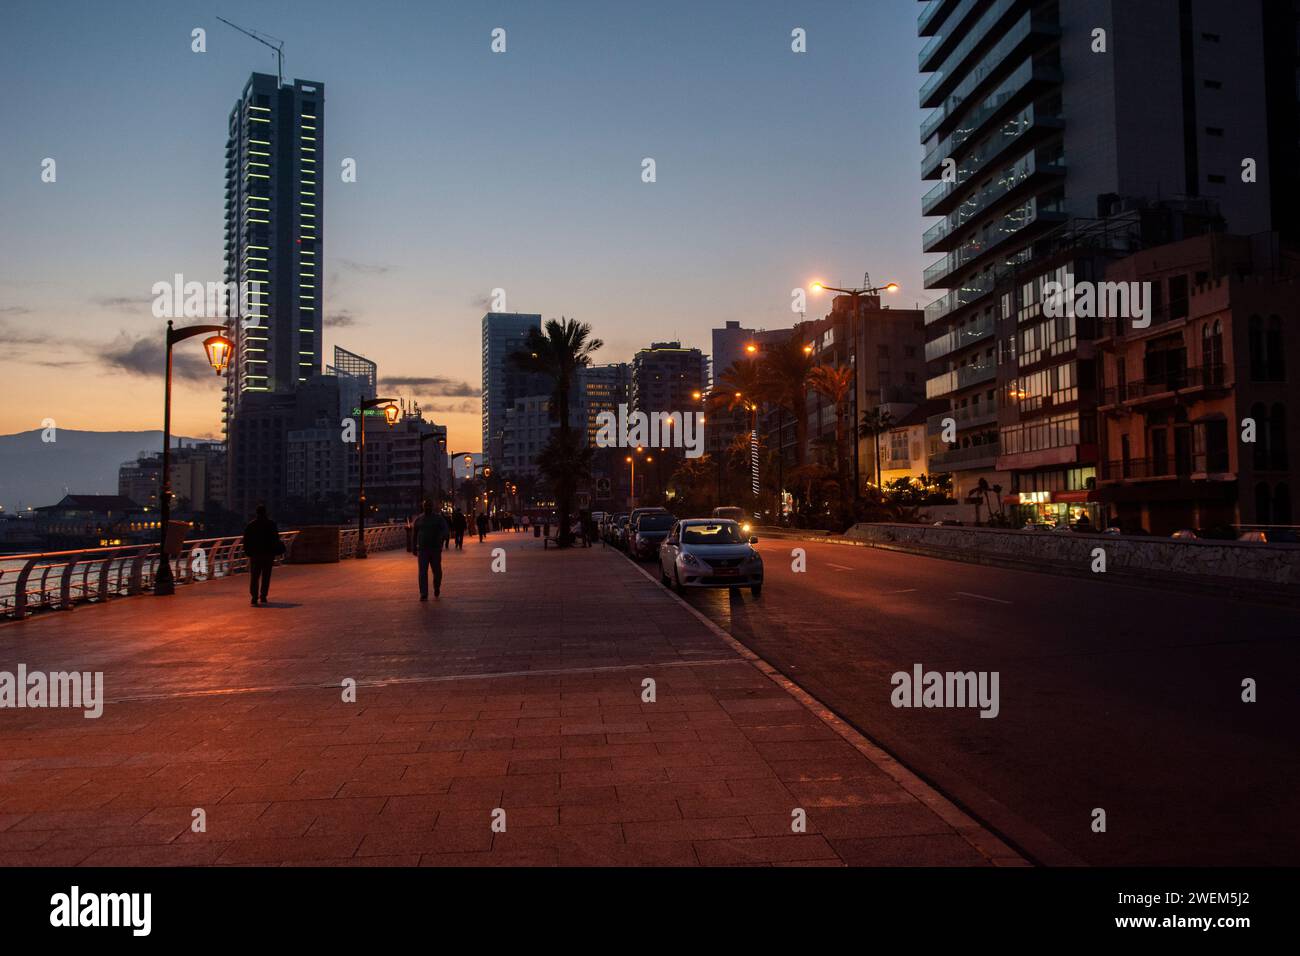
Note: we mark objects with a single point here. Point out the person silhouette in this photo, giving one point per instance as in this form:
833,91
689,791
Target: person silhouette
262,546
430,534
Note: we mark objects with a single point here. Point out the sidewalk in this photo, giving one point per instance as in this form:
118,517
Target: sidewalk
519,691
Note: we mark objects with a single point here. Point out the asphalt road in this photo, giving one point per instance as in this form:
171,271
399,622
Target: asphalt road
1115,697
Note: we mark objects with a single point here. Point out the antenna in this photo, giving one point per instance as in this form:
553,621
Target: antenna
264,39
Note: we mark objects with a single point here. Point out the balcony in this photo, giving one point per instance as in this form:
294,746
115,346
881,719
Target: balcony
941,43
1034,168
959,339
972,416
960,378
1027,36
1021,223
931,15
1176,382
1165,467
966,459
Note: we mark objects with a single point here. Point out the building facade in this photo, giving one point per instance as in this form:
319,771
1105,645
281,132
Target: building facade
1198,412
504,333
666,377
275,233
1044,169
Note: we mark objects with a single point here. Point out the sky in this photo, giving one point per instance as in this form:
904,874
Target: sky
476,170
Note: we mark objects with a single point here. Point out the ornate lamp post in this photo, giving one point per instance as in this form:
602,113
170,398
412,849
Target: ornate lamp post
391,414
218,348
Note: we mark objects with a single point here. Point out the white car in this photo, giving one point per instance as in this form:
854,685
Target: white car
710,553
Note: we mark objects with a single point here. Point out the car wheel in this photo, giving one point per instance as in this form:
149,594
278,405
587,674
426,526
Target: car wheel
756,590
664,579
677,575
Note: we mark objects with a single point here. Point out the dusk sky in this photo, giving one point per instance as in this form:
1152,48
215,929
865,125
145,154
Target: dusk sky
476,170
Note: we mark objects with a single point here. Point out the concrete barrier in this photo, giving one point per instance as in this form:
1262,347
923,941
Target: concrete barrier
316,544
1270,571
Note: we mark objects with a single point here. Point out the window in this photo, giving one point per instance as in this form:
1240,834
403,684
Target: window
1178,297
1216,179
1212,352
1213,85
1213,131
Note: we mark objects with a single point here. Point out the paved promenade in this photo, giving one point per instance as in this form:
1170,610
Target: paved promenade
518,691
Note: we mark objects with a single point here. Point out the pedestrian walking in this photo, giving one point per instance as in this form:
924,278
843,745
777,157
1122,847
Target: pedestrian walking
482,522
262,545
458,525
431,534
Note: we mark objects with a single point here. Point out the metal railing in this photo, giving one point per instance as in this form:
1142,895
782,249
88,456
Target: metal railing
60,579
382,537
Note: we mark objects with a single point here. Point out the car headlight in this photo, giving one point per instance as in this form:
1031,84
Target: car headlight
691,561
745,527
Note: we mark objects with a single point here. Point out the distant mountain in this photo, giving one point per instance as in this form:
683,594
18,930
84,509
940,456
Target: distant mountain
35,473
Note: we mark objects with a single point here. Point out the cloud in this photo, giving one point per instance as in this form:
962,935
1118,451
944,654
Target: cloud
14,310
341,319
122,303
466,407
432,385
351,265
147,356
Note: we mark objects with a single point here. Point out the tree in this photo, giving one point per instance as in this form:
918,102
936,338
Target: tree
875,421
558,351
784,375
835,384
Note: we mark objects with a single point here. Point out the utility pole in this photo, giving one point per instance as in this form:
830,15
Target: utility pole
264,39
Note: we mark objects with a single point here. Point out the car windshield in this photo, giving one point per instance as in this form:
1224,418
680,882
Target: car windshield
724,532
655,522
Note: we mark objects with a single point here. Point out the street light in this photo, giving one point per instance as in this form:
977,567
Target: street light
218,348
423,470
867,289
391,413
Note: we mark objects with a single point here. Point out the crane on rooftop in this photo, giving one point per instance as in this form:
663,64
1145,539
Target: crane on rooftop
265,39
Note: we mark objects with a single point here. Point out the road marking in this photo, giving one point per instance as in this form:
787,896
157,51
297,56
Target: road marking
981,597
839,567
900,591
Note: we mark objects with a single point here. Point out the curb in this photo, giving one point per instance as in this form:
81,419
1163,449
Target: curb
983,840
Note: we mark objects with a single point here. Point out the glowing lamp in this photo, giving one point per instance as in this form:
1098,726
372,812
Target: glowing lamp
391,414
218,348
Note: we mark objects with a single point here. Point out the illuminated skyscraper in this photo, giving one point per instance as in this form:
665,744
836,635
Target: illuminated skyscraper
274,234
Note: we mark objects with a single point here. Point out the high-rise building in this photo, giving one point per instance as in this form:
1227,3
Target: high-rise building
731,344
600,388
666,376
1063,135
503,334
275,215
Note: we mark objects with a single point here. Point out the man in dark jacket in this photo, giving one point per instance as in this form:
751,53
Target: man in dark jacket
482,522
262,546
431,532
458,525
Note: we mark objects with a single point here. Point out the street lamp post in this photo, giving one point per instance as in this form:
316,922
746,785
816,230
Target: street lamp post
391,412
423,469
856,295
218,348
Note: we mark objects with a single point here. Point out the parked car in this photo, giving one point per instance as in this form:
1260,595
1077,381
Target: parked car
1184,534
738,515
1271,536
619,538
647,531
710,553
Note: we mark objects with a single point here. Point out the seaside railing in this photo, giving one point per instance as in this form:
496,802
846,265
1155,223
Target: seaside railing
53,580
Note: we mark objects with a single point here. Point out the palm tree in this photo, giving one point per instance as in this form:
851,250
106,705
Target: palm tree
557,351
784,376
835,384
875,421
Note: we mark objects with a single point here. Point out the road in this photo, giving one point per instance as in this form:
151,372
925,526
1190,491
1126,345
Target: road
1115,697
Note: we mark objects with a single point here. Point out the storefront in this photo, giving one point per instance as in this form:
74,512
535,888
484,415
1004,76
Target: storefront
1055,508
